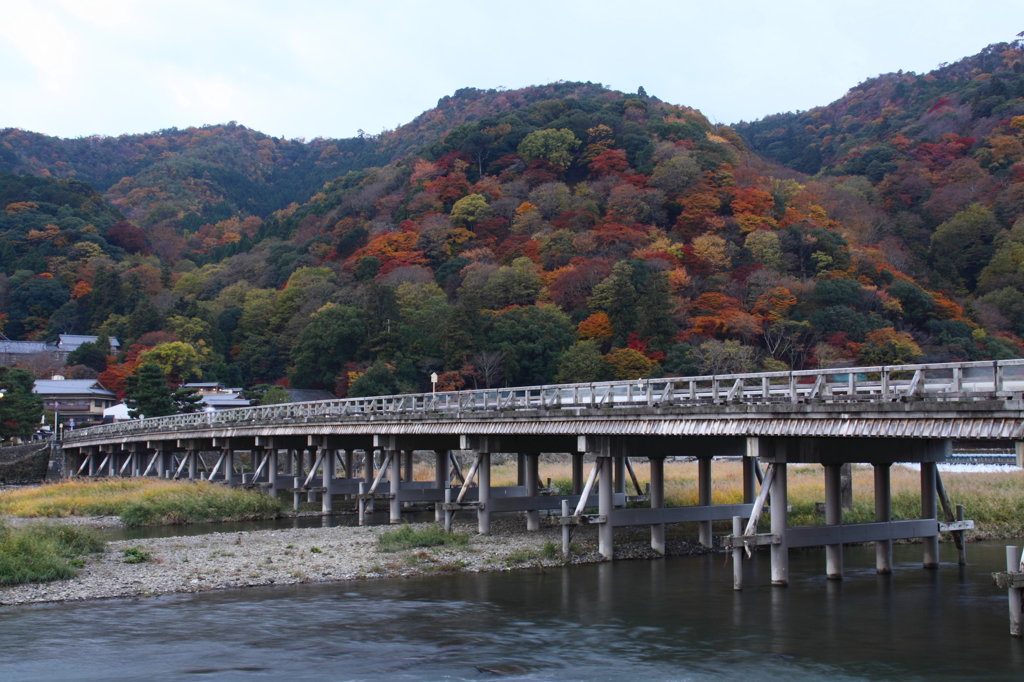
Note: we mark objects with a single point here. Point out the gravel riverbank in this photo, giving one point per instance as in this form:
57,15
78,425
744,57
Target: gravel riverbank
214,561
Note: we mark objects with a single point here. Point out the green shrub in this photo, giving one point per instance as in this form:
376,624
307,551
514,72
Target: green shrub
408,537
40,553
136,555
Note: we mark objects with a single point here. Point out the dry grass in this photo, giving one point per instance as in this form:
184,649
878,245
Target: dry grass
139,501
995,501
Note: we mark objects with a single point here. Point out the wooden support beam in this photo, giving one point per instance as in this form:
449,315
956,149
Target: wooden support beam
586,489
469,479
947,510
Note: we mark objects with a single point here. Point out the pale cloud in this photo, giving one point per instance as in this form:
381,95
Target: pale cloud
203,96
112,15
311,68
45,42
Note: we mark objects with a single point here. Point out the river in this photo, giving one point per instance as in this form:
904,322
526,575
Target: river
673,619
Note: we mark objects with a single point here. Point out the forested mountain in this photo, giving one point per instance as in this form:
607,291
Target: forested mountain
172,182
565,232
939,157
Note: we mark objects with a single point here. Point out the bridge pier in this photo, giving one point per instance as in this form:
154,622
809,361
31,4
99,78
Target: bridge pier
780,516
483,514
605,530
619,477
834,517
368,474
929,511
750,461
442,477
326,502
272,472
520,468
407,464
657,502
577,473
532,476
229,466
704,498
395,479
883,513
309,457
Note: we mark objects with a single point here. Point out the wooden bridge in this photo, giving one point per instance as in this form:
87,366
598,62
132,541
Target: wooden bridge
363,448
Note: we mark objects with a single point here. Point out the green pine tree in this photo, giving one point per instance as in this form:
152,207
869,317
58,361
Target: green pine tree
20,408
146,392
187,400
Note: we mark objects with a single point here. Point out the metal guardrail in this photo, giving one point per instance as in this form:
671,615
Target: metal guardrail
949,381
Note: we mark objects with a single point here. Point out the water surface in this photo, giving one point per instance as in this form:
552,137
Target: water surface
674,619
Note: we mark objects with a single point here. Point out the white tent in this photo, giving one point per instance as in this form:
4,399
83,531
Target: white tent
119,413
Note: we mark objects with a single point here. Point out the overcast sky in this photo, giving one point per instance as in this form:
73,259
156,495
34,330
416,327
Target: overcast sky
307,68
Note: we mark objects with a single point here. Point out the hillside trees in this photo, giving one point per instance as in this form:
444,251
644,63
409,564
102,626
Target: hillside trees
330,340
518,237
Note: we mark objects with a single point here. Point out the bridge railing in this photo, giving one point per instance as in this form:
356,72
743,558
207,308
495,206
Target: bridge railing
948,381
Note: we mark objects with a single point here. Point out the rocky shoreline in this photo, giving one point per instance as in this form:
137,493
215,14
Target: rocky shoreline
217,561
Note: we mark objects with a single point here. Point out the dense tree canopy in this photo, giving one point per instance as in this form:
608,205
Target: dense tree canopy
561,232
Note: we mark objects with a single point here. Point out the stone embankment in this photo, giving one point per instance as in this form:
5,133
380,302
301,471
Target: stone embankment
214,561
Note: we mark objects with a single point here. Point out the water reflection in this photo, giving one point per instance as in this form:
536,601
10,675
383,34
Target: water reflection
673,619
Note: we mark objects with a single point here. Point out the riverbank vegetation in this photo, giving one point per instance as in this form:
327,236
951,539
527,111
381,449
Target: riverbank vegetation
44,552
140,502
409,537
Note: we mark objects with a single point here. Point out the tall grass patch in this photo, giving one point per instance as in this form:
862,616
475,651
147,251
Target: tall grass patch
44,552
141,502
409,537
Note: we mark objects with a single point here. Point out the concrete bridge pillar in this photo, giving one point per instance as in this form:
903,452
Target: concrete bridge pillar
704,498
883,512
309,455
407,466
619,476
272,472
780,514
483,515
833,517
749,474
521,468
395,479
328,479
368,473
658,502
229,466
92,463
112,468
193,464
577,473
532,461
258,455
442,471
442,462
606,537
928,511
350,463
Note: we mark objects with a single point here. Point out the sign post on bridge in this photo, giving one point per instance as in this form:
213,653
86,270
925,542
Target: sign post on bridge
433,382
